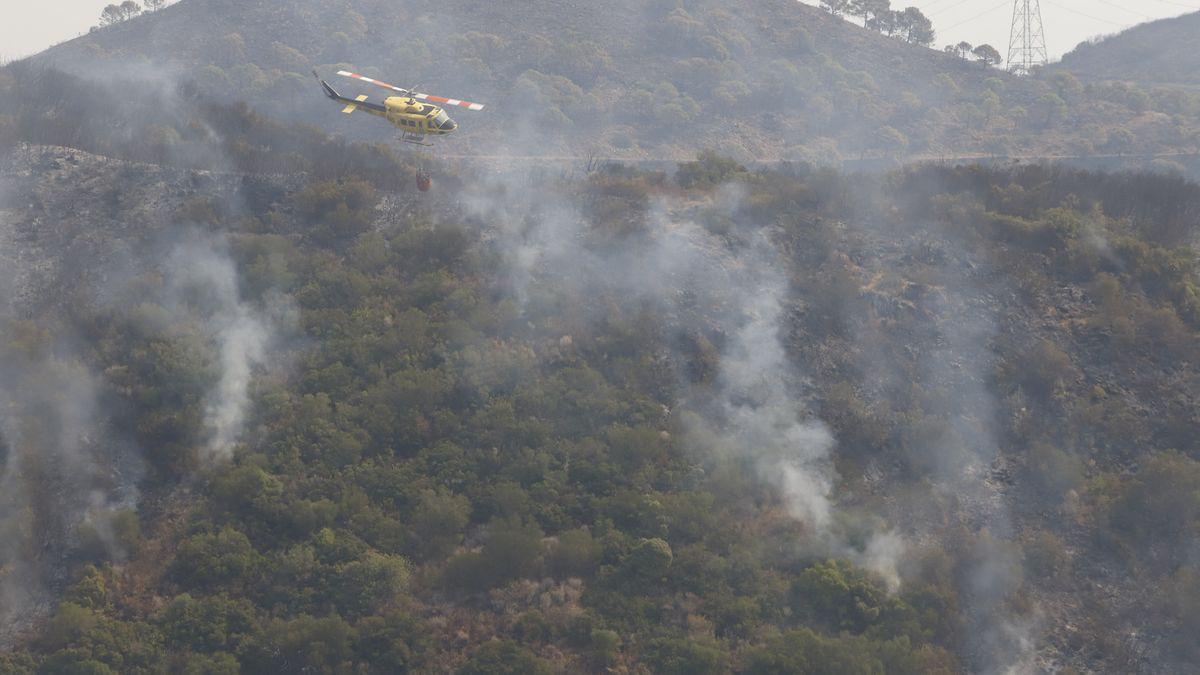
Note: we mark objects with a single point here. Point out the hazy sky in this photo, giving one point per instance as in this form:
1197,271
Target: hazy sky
30,27
1067,22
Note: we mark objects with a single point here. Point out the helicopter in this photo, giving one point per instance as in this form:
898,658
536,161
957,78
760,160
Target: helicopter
413,113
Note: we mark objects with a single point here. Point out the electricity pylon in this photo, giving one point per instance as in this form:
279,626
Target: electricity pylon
1027,41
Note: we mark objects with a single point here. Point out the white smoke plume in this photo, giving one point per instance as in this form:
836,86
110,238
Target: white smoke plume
960,319
761,393
69,470
203,281
762,417
754,410
243,346
63,467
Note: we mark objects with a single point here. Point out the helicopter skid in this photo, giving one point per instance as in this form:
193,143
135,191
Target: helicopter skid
415,139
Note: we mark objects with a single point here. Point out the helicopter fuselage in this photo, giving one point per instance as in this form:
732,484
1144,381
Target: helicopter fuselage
415,117
410,111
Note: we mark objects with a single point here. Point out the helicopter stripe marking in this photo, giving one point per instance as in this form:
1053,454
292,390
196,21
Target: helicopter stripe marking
449,101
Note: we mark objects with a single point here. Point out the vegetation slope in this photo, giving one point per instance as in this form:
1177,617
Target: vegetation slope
498,429
463,462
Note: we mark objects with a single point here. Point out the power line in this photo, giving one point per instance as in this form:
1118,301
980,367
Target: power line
947,9
977,16
943,10
1177,4
1085,14
1125,9
929,5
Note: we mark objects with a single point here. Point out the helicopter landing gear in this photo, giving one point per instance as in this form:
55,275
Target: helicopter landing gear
413,138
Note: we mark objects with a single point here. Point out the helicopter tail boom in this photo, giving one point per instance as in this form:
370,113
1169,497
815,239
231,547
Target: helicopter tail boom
352,103
329,91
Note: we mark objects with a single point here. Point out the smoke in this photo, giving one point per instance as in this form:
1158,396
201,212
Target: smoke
203,287
70,466
65,472
52,468
760,413
961,368
951,323
760,417
728,286
243,346
69,462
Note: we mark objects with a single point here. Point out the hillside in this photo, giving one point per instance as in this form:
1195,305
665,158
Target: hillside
770,79
937,421
266,408
1156,52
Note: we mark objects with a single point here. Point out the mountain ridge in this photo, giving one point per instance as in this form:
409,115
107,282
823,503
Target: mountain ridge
774,79
1160,51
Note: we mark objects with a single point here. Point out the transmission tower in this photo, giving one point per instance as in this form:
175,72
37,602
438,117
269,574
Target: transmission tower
1027,41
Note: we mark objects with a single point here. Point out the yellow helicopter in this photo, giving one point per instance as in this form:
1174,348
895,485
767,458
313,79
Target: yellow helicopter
413,113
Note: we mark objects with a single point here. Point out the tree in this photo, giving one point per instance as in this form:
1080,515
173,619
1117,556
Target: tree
887,22
990,105
575,553
914,26
890,141
1053,109
839,595
129,9
870,11
501,658
963,48
218,559
836,7
155,5
802,651
605,645
437,522
1161,502
304,644
988,55
691,656
110,15
208,624
1120,140
648,561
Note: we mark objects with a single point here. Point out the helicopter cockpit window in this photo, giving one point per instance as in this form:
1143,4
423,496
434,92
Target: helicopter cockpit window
442,120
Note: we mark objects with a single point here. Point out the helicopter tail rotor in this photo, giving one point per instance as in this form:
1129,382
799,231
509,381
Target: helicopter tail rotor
329,91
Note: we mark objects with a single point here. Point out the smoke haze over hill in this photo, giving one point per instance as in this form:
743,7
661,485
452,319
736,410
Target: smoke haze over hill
269,404
767,81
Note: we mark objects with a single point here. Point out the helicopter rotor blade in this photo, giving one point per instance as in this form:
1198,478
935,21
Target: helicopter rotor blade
449,101
407,92
370,80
